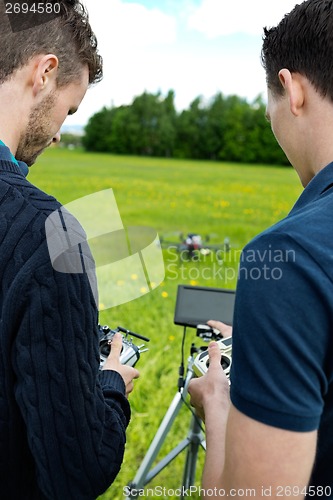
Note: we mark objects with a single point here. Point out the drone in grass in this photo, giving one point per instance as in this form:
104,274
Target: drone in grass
192,246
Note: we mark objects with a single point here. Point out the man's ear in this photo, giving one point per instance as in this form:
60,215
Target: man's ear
45,73
292,84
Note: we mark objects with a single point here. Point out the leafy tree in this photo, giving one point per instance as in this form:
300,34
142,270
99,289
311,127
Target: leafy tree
224,128
216,126
98,131
192,131
264,145
155,124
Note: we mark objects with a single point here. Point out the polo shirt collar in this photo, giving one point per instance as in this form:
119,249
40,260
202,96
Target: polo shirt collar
320,183
6,155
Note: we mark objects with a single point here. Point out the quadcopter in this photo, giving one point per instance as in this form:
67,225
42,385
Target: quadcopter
191,246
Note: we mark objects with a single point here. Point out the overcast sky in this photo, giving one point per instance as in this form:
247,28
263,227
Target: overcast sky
195,47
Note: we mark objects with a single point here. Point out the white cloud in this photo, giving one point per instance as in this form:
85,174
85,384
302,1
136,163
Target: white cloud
130,37
147,49
130,25
216,18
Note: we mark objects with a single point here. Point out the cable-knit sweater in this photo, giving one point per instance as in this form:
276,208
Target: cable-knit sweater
62,421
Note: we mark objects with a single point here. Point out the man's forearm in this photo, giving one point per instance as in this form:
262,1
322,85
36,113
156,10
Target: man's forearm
216,423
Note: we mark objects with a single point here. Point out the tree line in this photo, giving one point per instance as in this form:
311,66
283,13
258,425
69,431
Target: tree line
225,128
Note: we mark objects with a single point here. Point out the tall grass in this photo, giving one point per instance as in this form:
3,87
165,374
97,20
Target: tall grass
223,200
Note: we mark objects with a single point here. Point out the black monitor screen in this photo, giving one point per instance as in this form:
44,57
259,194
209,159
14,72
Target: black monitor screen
196,305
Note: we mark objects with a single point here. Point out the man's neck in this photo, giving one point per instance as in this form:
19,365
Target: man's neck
14,111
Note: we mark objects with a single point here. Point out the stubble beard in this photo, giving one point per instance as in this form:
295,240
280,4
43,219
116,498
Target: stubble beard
37,135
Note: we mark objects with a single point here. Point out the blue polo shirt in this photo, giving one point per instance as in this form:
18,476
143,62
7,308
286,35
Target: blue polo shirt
6,154
282,371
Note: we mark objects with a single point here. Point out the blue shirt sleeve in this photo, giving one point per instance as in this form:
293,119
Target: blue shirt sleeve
280,369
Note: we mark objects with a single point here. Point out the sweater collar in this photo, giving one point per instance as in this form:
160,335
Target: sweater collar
6,155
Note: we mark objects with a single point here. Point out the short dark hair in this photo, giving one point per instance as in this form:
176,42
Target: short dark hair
303,43
68,35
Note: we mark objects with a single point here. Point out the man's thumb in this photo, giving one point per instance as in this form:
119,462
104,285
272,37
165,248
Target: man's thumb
116,345
214,354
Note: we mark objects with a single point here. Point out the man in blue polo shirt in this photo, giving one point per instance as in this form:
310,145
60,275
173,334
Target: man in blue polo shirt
274,435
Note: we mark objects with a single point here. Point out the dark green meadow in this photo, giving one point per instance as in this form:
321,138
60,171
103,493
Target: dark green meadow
224,200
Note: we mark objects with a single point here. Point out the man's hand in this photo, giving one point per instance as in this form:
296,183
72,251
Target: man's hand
212,390
112,362
210,397
226,330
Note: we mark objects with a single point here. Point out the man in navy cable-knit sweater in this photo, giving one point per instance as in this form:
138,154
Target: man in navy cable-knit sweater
62,421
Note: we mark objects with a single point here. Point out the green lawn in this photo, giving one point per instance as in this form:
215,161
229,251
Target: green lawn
224,200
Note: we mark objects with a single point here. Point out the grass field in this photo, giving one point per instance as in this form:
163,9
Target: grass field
226,200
